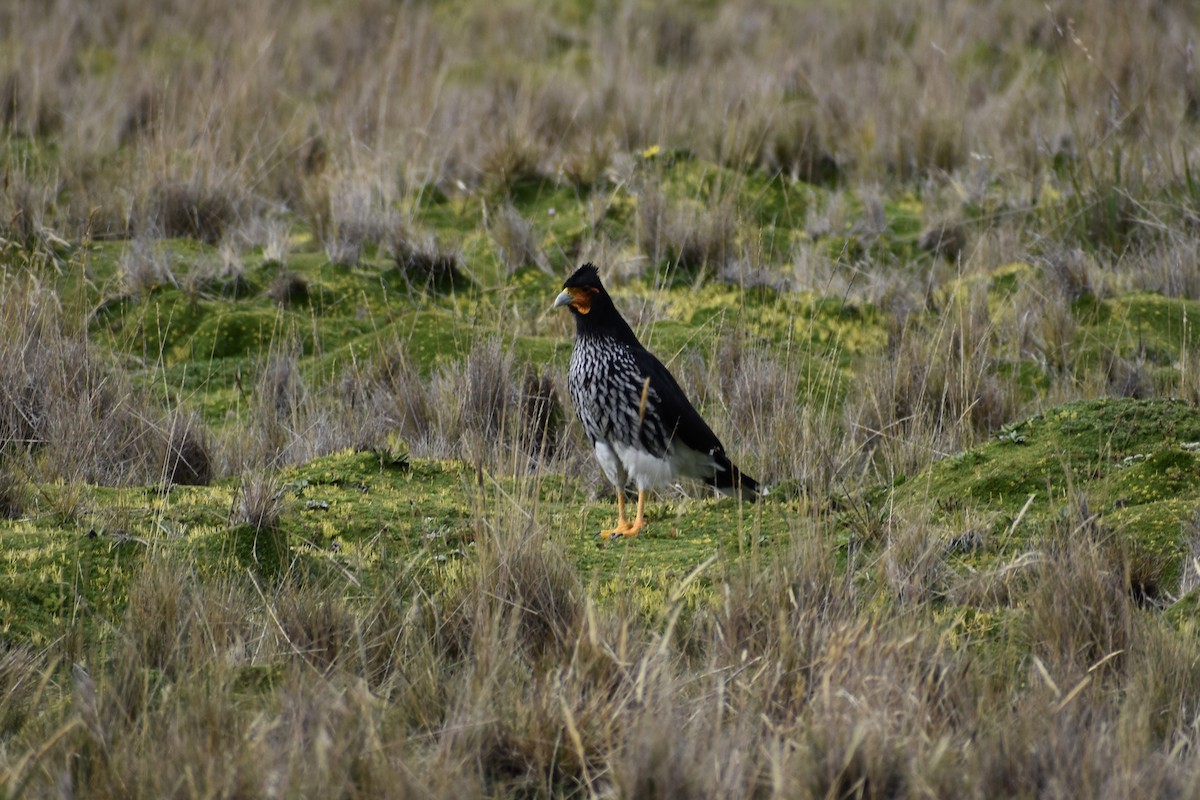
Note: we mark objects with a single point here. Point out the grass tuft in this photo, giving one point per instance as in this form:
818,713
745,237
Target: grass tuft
489,404
526,592
146,266
687,237
288,289
426,266
21,682
259,503
189,452
192,210
14,493
258,539
517,240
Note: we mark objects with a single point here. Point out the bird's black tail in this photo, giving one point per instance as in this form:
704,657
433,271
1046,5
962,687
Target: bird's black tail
732,482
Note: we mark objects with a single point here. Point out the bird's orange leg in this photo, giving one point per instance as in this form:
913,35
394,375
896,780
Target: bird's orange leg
622,522
640,520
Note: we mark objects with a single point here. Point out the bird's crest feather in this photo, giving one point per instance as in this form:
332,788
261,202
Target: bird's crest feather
586,277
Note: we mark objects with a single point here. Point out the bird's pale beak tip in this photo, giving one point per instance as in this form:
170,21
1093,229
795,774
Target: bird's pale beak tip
564,298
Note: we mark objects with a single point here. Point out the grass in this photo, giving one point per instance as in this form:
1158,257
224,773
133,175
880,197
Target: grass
292,500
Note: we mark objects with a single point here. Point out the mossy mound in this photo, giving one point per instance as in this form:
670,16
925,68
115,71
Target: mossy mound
1146,326
1127,468
58,576
263,551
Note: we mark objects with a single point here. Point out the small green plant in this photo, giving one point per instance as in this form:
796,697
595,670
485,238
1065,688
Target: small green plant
1011,434
393,453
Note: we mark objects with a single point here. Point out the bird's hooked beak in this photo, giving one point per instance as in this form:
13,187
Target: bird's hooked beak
578,299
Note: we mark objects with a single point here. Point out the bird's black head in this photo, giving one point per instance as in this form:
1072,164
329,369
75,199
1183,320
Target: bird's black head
593,309
583,290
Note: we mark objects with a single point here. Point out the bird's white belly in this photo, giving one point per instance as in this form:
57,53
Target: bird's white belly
612,464
648,471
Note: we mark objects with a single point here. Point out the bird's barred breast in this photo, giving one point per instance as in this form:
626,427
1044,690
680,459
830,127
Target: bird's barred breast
607,388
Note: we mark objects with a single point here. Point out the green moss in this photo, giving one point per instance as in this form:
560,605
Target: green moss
60,578
453,218
236,333
1136,326
264,551
1184,613
1132,460
358,515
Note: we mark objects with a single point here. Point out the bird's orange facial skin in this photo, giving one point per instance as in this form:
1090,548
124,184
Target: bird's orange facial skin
581,299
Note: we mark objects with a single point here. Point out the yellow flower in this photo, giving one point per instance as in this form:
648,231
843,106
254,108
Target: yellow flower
651,151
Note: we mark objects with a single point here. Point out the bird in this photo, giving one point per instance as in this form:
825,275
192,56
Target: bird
635,414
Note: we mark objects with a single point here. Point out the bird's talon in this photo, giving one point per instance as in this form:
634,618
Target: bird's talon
625,530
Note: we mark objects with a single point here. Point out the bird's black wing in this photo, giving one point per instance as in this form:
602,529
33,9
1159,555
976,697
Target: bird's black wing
675,412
